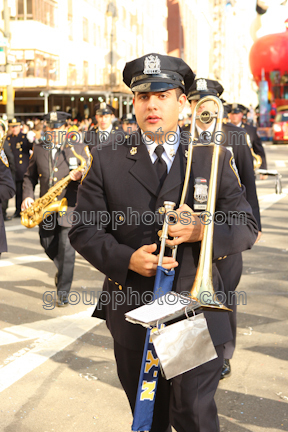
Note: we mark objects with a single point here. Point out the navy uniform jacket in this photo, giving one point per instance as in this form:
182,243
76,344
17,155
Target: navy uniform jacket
20,147
124,180
256,143
92,137
39,168
7,191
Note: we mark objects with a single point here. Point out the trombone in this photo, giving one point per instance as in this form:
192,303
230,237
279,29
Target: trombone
203,283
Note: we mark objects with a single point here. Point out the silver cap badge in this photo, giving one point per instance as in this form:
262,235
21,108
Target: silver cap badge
201,84
53,116
151,65
102,105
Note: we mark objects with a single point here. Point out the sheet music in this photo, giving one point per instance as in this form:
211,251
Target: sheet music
162,310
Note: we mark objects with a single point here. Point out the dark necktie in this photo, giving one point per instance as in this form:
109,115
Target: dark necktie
160,164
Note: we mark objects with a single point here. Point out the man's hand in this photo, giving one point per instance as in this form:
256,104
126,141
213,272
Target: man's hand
75,175
143,261
26,203
183,230
258,237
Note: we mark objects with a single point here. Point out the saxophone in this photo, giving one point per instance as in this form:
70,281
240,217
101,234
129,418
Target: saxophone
35,214
257,160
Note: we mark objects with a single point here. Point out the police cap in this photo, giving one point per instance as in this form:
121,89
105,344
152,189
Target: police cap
237,108
129,118
14,122
103,108
204,87
157,72
56,119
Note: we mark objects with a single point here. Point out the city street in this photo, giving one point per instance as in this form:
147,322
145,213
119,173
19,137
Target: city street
57,370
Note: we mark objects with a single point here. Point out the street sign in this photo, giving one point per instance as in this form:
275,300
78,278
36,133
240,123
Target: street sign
18,67
11,58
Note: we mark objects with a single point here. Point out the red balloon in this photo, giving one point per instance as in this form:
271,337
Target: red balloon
269,53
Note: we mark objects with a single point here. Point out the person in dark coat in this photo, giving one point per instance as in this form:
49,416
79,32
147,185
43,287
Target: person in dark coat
125,184
7,191
50,163
234,139
236,114
20,147
105,127
8,152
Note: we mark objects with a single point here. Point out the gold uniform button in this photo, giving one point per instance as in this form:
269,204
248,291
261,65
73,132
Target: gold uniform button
116,283
225,257
110,279
40,175
161,210
121,218
20,149
55,169
20,162
159,233
220,258
55,179
120,287
20,156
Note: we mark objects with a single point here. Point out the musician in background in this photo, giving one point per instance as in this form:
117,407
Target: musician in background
100,133
52,160
20,147
236,114
7,191
234,140
147,169
129,123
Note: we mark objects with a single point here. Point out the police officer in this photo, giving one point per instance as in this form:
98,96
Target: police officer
129,123
52,160
20,147
148,169
236,114
7,191
234,139
100,133
10,157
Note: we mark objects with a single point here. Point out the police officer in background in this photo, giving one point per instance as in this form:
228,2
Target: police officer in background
20,147
51,162
234,139
7,191
129,123
148,170
100,133
236,114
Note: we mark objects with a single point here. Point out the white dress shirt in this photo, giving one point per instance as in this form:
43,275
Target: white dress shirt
169,153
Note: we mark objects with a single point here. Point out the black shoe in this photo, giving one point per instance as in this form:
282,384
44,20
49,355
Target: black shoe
226,369
7,218
62,303
16,215
56,279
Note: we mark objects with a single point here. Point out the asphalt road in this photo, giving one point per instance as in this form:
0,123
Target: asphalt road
57,370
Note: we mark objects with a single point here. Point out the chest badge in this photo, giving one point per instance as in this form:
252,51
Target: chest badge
133,151
200,193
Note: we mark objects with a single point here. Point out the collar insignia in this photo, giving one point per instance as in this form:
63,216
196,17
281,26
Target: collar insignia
151,65
133,151
172,152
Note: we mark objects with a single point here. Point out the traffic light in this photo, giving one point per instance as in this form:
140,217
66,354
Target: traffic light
3,96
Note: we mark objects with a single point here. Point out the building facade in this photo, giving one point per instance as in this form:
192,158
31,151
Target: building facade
73,52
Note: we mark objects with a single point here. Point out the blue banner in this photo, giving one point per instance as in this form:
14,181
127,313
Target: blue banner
150,368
